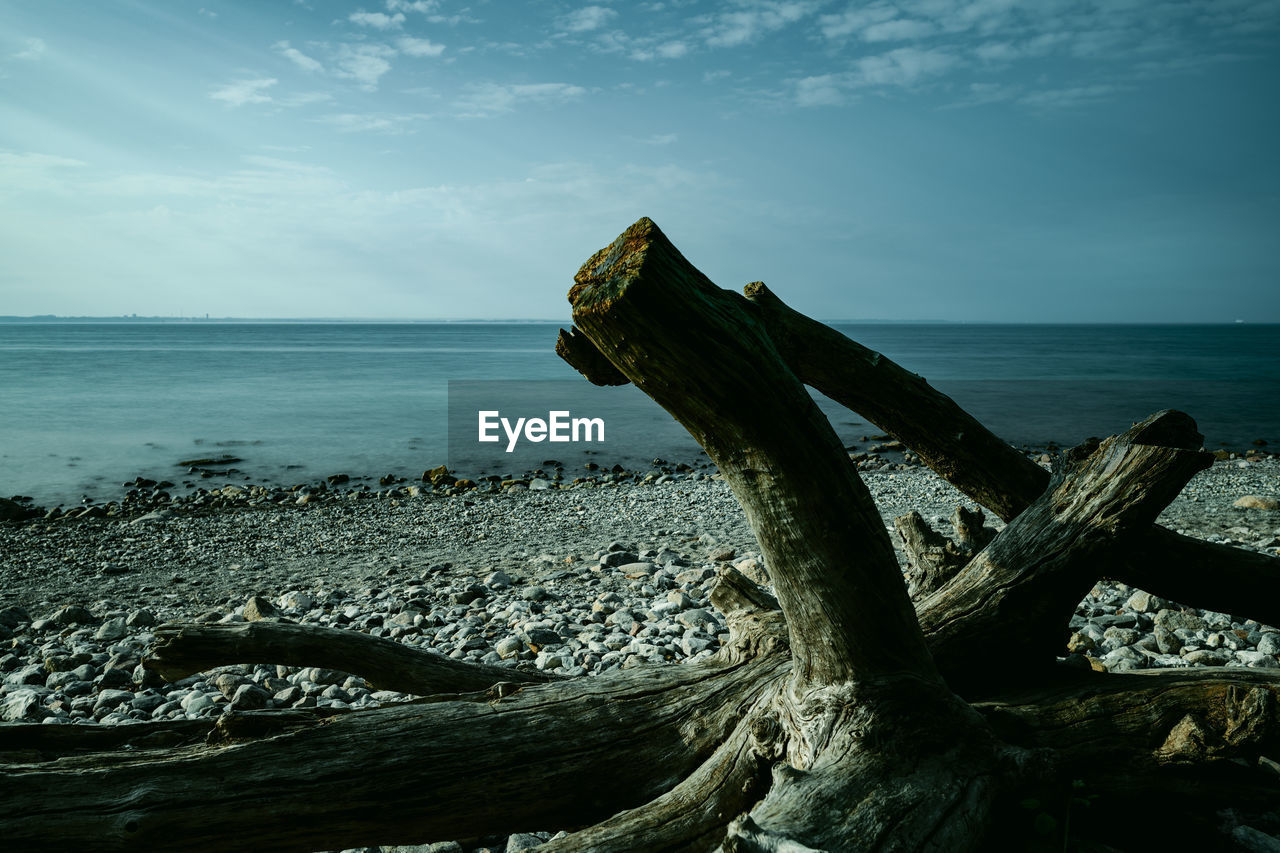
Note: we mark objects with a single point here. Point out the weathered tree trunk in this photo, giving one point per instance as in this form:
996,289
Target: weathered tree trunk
837,717
933,559
182,650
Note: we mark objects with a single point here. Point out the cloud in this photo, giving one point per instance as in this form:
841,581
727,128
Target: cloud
1072,97
855,19
586,19
660,139
32,48
364,63
756,19
821,90
488,99
297,57
241,92
899,29
206,13
419,47
392,123
422,6
905,66
377,20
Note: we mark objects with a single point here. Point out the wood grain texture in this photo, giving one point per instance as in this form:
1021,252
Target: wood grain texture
184,649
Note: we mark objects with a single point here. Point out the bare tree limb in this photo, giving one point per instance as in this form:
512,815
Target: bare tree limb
183,649
700,352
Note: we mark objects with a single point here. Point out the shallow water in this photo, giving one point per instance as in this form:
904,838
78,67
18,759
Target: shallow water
86,406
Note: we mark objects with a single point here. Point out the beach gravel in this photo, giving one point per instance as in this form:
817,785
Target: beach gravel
578,579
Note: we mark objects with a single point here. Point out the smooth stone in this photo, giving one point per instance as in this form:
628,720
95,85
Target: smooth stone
21,705
618,558
1206,657
1269,644
1257,502
258,608
508,647
111,630
1258,659
112,698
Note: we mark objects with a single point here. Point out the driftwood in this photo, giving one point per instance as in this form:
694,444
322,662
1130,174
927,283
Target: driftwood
933,559
839,716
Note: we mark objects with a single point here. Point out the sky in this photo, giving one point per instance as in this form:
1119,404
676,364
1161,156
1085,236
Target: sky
954,160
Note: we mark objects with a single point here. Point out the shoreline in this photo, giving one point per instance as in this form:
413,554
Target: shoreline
210,483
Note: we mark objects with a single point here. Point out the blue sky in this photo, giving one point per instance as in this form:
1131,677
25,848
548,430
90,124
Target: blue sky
967,160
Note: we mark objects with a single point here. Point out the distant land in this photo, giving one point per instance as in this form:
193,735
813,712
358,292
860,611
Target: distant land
135,318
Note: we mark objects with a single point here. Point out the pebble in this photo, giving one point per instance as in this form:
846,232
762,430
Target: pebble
579,581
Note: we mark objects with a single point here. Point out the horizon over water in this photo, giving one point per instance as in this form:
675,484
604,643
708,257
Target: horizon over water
90,403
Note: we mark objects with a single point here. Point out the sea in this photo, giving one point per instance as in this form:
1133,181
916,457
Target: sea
87,406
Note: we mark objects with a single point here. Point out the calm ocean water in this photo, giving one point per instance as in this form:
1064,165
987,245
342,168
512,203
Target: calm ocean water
86,406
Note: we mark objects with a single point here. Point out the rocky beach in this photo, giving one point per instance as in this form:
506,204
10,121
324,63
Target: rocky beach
576,573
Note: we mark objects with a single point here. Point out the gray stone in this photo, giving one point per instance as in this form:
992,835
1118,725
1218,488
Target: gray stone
1166,641
1257,502
74,614
147,701
22,705
112,630
1258,659
1206,657
509,647
1269,644
1145,602
12,617
228,683
295,600
141,619
32,673
543,637
250,697
698,618
524,841
618,558
111,699
194,703
1255,840
1172,620
258,608
1114,638
498,580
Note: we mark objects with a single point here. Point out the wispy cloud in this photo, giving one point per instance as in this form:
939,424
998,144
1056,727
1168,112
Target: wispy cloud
487,99
241,92
660,139
1072,97
587,18
297,57
419,47
664,50
754,19
905,66
391,123
898,29
206,13
364,63
377,20
821,90
421,6
32,48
